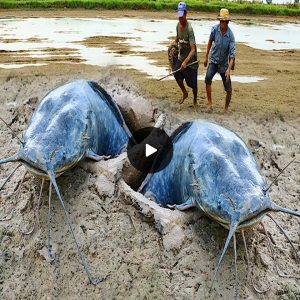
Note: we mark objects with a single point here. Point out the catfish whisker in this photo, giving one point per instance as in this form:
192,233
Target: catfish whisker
51,256
9,216
235,269
248,268
9,176
39,202
232,230
85,266
274,180
37,207
20,187
274,256
285,234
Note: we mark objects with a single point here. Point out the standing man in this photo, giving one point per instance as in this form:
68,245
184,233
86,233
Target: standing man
185,39
222,57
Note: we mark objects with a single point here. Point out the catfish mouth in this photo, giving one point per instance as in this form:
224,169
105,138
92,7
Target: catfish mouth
38,171
42,169
253,220
247,223
35,169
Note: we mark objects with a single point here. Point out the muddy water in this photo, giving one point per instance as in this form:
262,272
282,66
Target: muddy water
34,37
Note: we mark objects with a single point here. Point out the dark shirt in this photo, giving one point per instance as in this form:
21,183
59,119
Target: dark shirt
223,47
186,38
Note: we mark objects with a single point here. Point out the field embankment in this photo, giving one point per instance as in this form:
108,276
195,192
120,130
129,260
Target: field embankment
202,5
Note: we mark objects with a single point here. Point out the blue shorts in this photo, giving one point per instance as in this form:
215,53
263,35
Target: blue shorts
212,69
189,74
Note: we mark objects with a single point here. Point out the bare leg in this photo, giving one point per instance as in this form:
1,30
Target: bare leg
209,103
248,266
183,89
227,101
195,92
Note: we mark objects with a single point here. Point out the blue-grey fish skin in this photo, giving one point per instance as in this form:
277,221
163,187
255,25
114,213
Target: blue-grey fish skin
213,167
70,121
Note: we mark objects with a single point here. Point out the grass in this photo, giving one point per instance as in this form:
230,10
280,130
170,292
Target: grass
195,5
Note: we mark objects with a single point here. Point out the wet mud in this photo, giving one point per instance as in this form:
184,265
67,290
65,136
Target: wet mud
141,250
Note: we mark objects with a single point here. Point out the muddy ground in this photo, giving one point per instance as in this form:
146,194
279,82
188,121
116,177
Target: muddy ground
136,258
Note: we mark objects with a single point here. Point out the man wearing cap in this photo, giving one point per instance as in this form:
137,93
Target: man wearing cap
222,57
185,39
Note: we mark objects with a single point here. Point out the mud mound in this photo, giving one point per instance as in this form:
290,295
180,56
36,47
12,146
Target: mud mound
141,250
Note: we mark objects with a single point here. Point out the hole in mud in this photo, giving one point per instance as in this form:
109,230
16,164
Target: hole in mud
138,113
130,174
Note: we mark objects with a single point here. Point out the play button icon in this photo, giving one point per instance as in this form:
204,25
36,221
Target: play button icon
150,150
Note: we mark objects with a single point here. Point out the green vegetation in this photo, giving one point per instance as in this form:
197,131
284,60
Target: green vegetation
196,5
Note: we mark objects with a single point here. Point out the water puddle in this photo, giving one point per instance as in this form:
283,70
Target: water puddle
17,66
33,37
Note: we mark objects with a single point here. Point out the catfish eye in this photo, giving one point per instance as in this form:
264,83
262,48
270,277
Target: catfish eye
219,204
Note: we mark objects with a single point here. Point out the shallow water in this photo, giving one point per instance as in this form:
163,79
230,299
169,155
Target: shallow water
36,35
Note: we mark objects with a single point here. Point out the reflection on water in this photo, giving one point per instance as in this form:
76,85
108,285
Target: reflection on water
36,35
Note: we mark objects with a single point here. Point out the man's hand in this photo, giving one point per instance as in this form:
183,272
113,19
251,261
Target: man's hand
227,74
205,62
184,65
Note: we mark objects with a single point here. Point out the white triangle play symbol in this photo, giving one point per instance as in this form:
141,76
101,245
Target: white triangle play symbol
150,150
